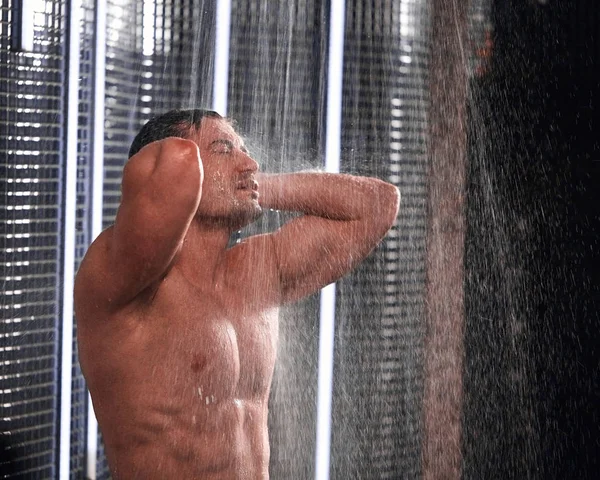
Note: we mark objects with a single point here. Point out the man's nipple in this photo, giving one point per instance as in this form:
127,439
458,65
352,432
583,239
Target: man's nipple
198,362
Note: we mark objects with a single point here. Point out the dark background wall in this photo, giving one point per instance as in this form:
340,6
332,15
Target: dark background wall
532,379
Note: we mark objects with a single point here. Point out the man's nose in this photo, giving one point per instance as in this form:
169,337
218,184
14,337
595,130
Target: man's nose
247,163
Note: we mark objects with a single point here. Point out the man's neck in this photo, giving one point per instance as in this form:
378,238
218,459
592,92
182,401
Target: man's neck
203,251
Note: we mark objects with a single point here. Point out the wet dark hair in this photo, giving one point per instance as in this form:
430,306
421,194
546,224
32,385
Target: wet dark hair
175,123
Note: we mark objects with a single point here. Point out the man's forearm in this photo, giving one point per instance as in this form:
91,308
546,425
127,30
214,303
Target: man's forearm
334,196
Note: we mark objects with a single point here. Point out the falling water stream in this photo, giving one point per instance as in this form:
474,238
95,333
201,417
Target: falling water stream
466,344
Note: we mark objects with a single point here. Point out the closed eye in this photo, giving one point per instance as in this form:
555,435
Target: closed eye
221,146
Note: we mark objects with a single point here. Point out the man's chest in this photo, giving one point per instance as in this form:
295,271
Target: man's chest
224,342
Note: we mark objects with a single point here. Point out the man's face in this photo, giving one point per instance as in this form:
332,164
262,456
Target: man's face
229,191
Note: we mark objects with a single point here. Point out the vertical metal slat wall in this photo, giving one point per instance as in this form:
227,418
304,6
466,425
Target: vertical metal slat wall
379,334
182,58
122,108
31,113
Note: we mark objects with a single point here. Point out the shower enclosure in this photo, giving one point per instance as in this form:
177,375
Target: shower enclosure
464,346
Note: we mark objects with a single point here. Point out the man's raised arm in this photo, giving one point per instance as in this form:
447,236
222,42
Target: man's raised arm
161,190
345,217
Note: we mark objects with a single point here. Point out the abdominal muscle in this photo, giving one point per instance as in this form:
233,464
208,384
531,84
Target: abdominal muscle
162,420
172,397
225,440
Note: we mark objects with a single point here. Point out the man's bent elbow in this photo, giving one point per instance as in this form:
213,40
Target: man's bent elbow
180,164
180,155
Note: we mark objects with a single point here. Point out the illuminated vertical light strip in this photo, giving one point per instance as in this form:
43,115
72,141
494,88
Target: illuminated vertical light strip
99,72
327,301
221,76
148,28
27,25
68,233
23,17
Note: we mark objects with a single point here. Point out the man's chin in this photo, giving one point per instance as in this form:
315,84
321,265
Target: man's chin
245,217
240,217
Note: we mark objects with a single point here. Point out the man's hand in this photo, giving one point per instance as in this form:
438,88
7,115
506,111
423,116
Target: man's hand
265,187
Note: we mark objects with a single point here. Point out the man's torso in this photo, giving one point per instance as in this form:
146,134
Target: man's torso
180,377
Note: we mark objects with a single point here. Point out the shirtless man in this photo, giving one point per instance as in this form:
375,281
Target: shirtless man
177,332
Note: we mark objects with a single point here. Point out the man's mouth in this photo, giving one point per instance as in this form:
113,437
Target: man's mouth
248,185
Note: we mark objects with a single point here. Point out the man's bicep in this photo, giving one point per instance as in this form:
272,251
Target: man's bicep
314,251
145,231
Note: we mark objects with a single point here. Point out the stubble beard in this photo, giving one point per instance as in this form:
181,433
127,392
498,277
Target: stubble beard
241,215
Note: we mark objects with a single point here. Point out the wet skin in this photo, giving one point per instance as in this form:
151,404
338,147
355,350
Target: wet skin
177,333
181,376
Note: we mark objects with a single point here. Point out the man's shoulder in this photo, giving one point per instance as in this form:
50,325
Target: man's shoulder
93,272
96,256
